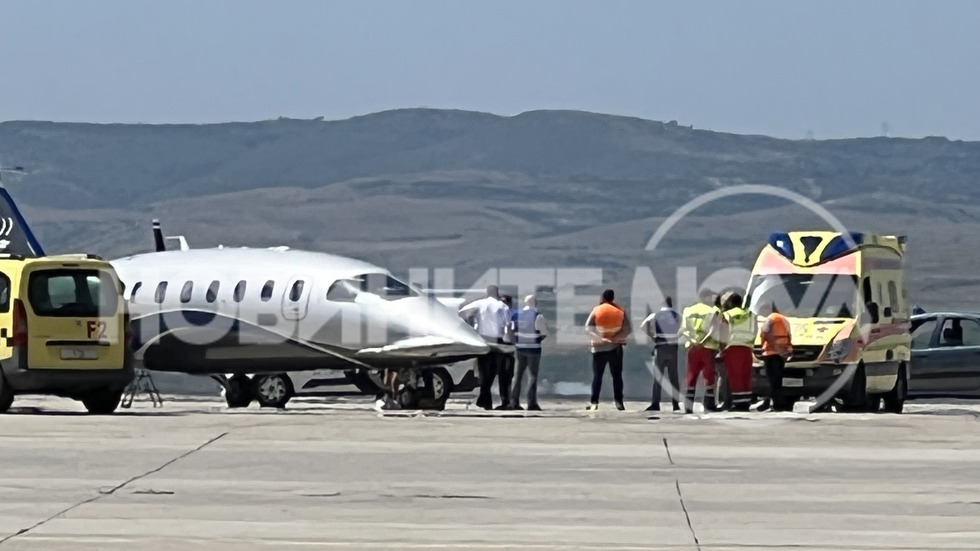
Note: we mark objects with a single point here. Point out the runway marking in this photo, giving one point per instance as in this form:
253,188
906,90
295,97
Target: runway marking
110,491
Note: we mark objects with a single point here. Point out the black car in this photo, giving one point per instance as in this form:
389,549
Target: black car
945,355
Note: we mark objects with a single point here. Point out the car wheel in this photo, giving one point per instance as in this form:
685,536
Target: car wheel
272,391
442,384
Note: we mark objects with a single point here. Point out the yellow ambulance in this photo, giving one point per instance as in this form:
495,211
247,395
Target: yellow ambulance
63,330
845,297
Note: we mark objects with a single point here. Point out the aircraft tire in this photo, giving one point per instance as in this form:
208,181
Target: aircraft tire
6,395
102,402
238,391
272,391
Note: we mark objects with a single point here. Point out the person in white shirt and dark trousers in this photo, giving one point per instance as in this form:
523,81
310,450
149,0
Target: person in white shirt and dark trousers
490,317
530,328
664,326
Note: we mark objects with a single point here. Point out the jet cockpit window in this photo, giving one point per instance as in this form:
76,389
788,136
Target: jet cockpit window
343,290
185,292
267,290
385,286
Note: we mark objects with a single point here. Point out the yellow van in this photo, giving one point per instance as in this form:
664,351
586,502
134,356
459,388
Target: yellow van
63,330
845,297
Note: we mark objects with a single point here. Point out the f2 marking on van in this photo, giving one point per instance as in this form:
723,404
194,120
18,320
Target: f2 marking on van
96,329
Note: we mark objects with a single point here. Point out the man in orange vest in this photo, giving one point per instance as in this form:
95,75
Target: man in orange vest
607,327
777,347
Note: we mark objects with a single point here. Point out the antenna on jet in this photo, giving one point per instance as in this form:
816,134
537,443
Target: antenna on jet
158,237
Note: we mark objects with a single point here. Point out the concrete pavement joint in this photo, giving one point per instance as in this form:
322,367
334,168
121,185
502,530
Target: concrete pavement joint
677,484
111,491
666,447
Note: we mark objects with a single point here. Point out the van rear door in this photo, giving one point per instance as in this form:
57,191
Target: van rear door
73,318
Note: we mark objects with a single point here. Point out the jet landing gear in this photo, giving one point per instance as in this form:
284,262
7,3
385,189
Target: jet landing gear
270,390
415,388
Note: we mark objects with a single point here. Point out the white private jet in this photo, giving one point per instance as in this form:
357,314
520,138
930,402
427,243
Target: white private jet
248,316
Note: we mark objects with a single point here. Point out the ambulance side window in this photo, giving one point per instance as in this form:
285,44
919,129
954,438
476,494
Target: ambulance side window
4,293
866,290
893,295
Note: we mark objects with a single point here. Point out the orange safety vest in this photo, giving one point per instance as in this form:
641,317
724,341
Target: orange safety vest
609,321
780,333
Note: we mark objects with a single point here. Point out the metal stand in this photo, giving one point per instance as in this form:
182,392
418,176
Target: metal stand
142,383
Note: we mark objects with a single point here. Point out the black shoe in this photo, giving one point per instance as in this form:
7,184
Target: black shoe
677,407
535,407
516,406
620,406
653,407
501,407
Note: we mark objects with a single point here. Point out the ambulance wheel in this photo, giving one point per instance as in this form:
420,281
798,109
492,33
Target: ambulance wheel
856,397
6,395
102,402
238,391
272,391
895,398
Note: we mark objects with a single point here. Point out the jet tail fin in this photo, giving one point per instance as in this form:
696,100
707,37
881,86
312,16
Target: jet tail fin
158,237
160,240
16,236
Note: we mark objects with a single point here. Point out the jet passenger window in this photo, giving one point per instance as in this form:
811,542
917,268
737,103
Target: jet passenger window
185,292
212,294
267,290
161,292
239,291
132,297
297,291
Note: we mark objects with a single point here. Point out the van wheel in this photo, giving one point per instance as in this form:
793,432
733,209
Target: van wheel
6,395
102,402
895,398
273,391
856,397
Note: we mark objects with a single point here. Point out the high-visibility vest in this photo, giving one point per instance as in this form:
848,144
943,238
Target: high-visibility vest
740,331
609,320
527,336
779,327
696,325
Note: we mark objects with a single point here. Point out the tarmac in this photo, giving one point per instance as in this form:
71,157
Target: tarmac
339,475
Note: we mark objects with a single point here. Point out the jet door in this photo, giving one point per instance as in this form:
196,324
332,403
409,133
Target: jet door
296,298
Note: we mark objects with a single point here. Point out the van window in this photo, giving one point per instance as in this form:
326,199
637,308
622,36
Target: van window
72,293
132,296
185,291
212,294
866,290
239,291
161,293
4,293
296,291
267,290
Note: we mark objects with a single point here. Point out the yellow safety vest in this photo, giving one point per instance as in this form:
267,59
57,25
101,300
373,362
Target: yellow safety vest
740,332
696,325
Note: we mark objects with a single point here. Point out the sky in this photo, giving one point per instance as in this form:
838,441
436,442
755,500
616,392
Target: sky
793,69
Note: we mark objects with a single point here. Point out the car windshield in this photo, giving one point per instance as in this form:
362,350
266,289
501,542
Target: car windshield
805,295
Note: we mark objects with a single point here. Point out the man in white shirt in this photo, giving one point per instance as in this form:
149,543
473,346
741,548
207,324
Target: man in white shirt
664,326
490,317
